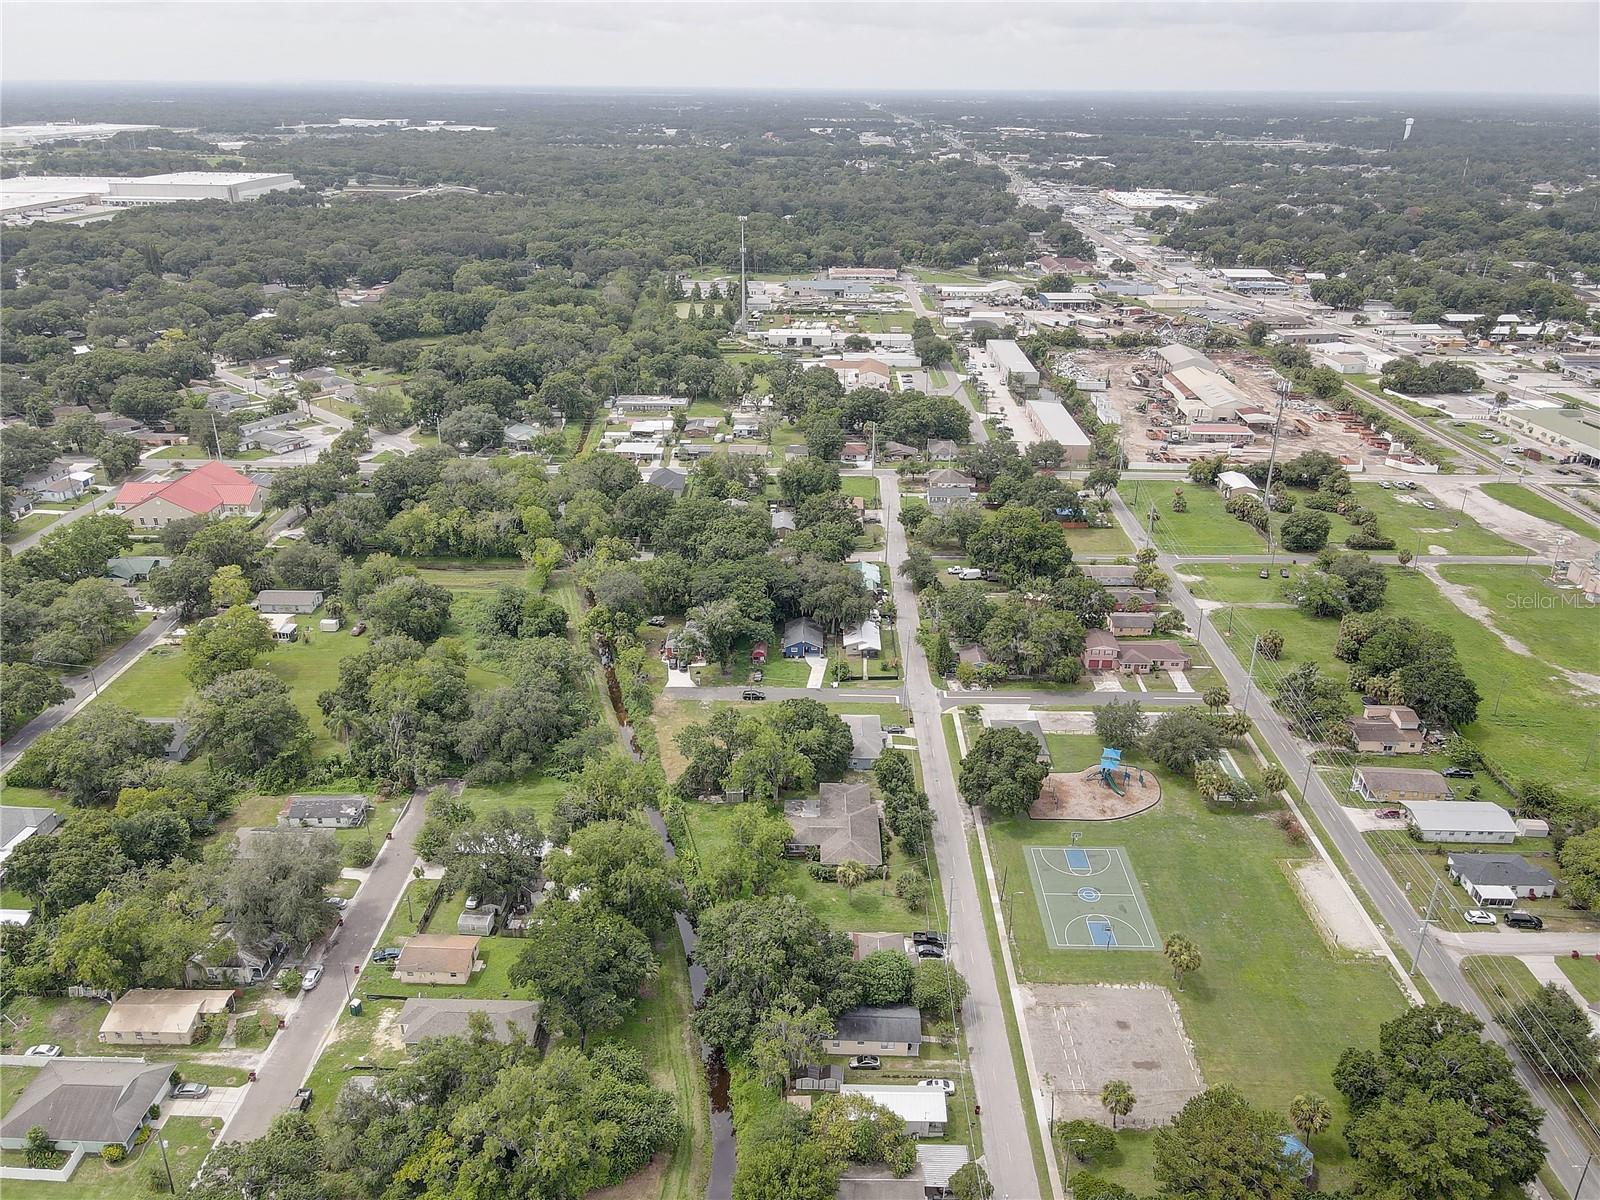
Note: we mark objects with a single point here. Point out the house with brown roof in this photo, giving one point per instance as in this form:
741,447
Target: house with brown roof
1387,729
212,490
1398,785
1133,599
1104,651
1133,624
162,1016
442,958
841,820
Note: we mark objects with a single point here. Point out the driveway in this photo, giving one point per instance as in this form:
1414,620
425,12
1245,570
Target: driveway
296,1049
220,1102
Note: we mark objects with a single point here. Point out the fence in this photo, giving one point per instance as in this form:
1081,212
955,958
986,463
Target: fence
39,1175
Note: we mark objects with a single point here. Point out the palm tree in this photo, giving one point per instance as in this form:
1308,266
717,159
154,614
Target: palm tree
1215,698
1183,955
1117,1098
1310,1114
1208,780
850,875
1276,779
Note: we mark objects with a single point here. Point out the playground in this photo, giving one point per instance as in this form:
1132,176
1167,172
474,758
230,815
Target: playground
1106,792
1089,898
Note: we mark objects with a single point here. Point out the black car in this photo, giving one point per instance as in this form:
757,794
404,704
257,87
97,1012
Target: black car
301,1101
753,694
927,937
1524,920
1456,773
894,728
929,950
386,955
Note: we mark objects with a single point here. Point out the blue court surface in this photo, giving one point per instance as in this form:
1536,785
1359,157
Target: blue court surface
1089,898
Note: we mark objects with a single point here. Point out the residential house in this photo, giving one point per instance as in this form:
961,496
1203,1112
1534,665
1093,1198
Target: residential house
1099,651
889,1032
1395,785
277,441
942,450
1104,651
135,568
865,639
855,454
893,451
1111,574
425,1017
1032,728
213,490
1477,821
949,486
867,740
876,1181
347,811
939,1161
870,574
668,479
226,961
87,1105
223,401
59,482
18,824
802,637
841,820
520,435
1233,483
782,522
1476,872
162,1016
275,600
1387,729
1133,599
1134,624
442,958
923,1109
282,627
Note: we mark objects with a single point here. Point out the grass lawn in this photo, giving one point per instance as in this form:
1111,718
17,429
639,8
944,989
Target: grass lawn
865,486
1088,543
188,1140
1272,1008
938,378
1233,583
1556,625
873,906
468,576
1584,974
1402,517
876,322
16,1079
1535,505
32,523
659,1029
537,794
1204,529
357,1048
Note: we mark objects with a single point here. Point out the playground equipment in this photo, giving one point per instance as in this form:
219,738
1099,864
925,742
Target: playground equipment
1110,764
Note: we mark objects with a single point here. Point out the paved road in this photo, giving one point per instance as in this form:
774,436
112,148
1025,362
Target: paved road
1439,960
949,700
295,1050
86,686
894,695
1005,1137
98,504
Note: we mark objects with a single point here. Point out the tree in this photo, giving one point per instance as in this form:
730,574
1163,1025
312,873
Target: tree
86,757
409,605
1310,1114
938,989
1305,531
1180,739
1270,643
970,1182
1087,1141
1183,956
787,1038
1551,1030
1580,859
585,963
919,569
913,890
1430,1149
1120,725
1017,542
855,1128
1215,698
472,429
224,643
850,875
277,892
184,584
25,692
786,1171
1221,1148
249,725
79,550
1002,772
496,856
885,977
1117,1098
307,566
622,866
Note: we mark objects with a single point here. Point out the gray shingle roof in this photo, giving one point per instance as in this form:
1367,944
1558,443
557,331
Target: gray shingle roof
427,1018
902,1023
102,1100
1504,870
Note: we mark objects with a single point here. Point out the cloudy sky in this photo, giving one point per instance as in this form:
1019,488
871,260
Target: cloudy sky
1525,47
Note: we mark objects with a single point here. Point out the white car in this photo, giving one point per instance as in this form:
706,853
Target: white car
947,1086
955,570
1477,916
311,978
44,1051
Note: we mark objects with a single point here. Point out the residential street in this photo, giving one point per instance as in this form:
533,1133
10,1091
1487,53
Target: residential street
98,504
1439,964
1007,1152
296,1049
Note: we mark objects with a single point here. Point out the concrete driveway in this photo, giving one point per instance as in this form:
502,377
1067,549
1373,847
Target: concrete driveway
220,1102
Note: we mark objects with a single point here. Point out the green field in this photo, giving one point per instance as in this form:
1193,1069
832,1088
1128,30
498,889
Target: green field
1204,529
1557,626
1415,528
889,322
865,486
537,794
1584,974
1272,1007
1535,505
1099,543
31,524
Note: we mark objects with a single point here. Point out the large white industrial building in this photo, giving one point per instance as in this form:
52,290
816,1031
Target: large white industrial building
1017,367
39,192
1054,423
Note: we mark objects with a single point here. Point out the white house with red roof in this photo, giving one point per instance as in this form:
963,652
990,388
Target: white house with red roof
214,490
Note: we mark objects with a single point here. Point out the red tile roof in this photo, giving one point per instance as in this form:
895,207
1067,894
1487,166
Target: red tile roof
202,490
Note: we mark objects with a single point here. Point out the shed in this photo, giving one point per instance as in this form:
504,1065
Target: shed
482,920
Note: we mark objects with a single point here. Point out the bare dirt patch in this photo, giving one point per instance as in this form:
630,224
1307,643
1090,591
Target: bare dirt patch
1336,915
1085,1035
1085,796
1469,604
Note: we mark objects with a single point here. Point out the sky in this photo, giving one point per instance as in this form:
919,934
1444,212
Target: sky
1525,47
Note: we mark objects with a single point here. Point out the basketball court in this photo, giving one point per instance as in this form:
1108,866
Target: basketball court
1089,899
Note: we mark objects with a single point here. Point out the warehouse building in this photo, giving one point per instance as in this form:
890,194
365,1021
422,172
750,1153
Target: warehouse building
1008,358
1054,423
1203,395
119,192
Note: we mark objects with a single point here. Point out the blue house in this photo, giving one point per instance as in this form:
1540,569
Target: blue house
801,637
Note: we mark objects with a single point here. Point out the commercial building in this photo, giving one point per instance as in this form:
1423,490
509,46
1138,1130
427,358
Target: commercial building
1232,483
1017,368
803,337
1460,821
1574,430
1150,199
211,490
1203,395
1052,422
171,188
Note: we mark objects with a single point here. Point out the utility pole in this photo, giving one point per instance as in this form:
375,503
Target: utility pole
171,1187
1272,461
1427,919
1250,672
744,308
1577,1192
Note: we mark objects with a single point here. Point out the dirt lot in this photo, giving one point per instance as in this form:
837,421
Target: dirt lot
1085,1035
1252,377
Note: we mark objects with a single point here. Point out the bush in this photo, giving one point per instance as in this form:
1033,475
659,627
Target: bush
290,978
1091,1187
155,1179
143,1135
913,890
1086,1141
112,1154
360,850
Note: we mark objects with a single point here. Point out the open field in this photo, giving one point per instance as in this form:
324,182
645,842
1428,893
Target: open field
1090,543
537,794
32,523
1204,529
1271,1008
1535,505
1401,515
1557,626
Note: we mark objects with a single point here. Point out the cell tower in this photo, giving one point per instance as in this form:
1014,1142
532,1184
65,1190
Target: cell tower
744,310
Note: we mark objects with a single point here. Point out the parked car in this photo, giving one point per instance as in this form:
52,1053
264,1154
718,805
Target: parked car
301,1101
752,694
947,1086
894,728
1264,573
1477,916
190,1091
955,570
1456,773
386,955
1524,920
358,629
929,950
927,937
311,978
865,1062
1283,572
472,903
657,622
44,1050
1390,814
339,902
